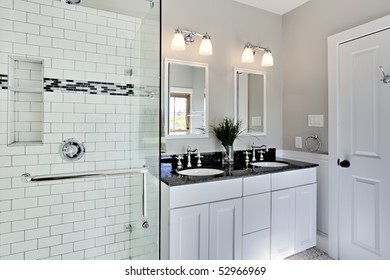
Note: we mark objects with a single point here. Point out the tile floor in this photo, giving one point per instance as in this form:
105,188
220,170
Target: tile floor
310,254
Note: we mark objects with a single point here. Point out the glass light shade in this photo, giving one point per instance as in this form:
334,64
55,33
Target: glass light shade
206,48
267,60
247,56
178,43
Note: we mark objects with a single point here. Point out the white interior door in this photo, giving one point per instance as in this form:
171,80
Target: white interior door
364,142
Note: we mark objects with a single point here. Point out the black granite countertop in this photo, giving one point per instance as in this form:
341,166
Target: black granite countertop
230,172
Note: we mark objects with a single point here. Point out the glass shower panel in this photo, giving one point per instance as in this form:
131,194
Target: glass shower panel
96,89
145,134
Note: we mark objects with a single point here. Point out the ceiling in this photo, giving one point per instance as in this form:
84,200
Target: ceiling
275,6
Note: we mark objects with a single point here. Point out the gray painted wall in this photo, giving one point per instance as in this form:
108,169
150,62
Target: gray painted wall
305,33
230,25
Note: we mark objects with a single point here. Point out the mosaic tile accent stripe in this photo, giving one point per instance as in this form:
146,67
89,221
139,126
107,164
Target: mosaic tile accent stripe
87,87
3,81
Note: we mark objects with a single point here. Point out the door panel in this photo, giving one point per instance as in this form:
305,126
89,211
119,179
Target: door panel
364,100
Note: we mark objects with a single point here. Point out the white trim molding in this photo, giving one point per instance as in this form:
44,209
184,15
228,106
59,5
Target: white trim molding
333,85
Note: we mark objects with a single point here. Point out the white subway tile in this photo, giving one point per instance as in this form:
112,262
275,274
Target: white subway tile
37,254
25,49
75,55
73,197
61,249
24,225
98,39
12,14
61,209
85,66
84,244
125,34
24,203
63,64
79,255
6,24
81,127
95,19
84,205
64,44
24,246
93,252
117,42
85,108
62,228
98,58
86,47
73,217
106,68
101,127
41,149
111,118
62,107
86,27
64,23
50,221
24,160
74,75
51,52
9,238
51,72
74,118
26,27
106,31
75,35
62,127
37,233
26,6
5,161
74,15
9,216
5,206
93,76
5,250
39,19
84,225
14,37
61,168
52,11
37,212
74,97
52,32
49,200
73,237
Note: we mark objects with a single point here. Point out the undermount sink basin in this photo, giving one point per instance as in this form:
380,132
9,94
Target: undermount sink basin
269,164
200,172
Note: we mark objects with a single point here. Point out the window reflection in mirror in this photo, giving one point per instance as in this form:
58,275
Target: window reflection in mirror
186,99
250,100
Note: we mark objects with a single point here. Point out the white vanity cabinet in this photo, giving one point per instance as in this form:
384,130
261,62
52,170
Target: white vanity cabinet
268,216
204,221
293,218
256,217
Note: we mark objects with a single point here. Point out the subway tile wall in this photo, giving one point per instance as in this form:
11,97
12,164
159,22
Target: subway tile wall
85,218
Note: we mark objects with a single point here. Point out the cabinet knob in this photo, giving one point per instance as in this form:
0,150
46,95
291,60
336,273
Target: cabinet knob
343,163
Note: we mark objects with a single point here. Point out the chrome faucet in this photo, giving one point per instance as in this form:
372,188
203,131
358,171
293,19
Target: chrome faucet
254,148
179,164
189,152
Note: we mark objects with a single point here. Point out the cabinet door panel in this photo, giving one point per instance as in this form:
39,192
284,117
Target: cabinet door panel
283,223
189,231
256,245
257,212
226,230
305,221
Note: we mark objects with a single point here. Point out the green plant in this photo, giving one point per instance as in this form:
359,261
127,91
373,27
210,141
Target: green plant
227,131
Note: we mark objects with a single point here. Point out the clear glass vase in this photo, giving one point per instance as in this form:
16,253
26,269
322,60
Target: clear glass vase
228,157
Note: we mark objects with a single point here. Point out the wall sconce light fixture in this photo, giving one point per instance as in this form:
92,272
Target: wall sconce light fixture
248,56
185,36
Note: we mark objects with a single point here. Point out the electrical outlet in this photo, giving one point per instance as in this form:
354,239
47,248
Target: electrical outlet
298,142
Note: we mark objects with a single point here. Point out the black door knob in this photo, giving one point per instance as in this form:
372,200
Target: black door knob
344,163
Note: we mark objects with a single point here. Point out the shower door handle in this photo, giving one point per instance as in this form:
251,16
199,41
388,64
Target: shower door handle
145,223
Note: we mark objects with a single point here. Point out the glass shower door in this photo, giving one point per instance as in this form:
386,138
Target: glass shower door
79,116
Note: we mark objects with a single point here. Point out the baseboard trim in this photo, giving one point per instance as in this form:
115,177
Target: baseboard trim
322,242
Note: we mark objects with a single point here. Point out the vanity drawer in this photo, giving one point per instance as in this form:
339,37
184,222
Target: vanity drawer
257,184
256,212
289,179
186,195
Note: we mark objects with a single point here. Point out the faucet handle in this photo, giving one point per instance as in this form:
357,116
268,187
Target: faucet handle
261,154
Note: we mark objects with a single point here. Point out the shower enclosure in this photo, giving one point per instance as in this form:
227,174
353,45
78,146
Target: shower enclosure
79,129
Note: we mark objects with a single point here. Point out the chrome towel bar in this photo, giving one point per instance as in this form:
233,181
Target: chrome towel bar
27,178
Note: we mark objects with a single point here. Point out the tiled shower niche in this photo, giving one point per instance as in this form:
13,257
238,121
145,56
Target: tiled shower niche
25,101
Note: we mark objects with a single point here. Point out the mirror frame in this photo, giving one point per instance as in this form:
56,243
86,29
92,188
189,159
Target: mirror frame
236,99
165,109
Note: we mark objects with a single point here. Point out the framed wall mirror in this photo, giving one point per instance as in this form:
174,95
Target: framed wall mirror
250,100
185,99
